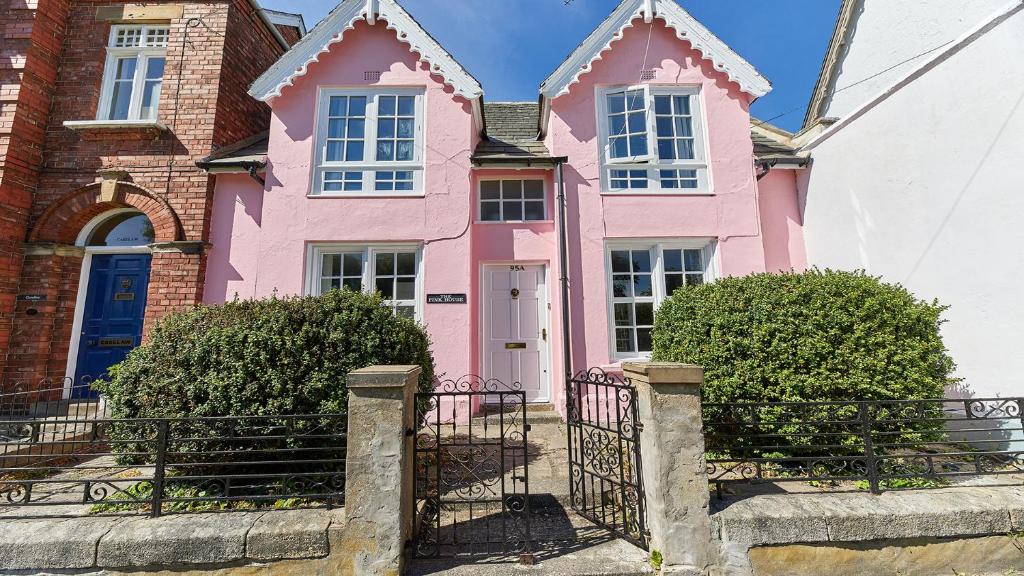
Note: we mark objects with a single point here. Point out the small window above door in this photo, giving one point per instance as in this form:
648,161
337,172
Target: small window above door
123,229
512,201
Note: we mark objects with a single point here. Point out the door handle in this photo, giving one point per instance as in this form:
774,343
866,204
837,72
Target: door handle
544,334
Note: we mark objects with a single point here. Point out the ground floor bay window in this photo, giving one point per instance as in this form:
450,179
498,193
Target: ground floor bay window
640,275
393,271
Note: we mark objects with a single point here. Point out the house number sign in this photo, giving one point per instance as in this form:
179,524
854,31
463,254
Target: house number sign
446,298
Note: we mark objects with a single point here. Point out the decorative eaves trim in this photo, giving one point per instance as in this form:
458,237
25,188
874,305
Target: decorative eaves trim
295,63
687,28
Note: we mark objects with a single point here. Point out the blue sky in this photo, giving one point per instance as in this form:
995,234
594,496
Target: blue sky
511,46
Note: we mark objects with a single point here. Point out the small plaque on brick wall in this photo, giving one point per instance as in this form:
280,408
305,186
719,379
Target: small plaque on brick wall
32,297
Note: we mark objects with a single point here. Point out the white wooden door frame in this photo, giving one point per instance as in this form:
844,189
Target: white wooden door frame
545,321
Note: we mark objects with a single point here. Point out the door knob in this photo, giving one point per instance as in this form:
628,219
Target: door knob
544,334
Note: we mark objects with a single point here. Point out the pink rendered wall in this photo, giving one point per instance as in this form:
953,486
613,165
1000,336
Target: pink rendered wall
232,266
440,221
533,243
782,227
729,215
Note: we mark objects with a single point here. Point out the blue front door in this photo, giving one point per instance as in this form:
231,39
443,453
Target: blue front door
115,303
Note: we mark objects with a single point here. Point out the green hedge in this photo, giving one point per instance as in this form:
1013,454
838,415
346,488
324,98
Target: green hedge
814,336
263,357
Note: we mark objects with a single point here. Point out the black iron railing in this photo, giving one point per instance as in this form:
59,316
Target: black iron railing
871,445
58,450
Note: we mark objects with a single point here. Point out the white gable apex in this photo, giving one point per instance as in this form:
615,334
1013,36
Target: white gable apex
686,28
295,63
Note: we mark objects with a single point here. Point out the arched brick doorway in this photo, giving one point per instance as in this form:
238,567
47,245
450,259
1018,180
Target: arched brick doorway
50,317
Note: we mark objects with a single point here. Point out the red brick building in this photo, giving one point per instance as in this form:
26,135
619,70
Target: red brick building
105,108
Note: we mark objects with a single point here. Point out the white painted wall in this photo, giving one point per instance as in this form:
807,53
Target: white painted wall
886,32
927,189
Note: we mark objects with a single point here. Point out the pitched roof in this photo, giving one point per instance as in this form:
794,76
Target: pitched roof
826,78
248,152
511,134
687,28
330,30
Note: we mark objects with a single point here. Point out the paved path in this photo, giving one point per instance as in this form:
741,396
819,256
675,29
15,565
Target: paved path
563,542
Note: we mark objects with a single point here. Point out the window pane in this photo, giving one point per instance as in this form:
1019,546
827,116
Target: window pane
338,105
684,149
643,340
638,145
624,340
694,261
642,285
513,210
353,265
664,124
125,68
150,100
125,229
335,151
357,106
622,286
490,190
662,105
406,126
641,261
620,261
405,289
682,105
684,127
385,264
666,149
406,311
405,149
155,69
644,314
386,128
336,128
353,284
635,100
490,211
673,282
354,151
623,314
512,189
534,210
328,284
619,147
407,106
386,106
616,103
694,279
637,123
386,287
673,260
617,125
533,189
356,128
407,263
331,265
385,150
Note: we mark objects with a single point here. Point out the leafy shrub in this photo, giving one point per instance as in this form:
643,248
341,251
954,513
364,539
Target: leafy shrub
263,357
808,337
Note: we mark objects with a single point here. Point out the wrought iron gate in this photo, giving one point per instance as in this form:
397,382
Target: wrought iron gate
471,478
605,479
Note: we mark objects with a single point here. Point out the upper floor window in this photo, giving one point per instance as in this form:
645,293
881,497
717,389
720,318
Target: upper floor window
134,73
369,142
653,140
643,274
512,200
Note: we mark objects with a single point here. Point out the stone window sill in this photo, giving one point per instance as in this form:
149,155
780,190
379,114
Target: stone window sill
114,125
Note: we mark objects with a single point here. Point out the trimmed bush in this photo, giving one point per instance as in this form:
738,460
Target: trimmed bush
814,336
263,357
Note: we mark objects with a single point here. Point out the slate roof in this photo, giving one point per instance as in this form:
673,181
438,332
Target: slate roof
511,134
244,153
767,148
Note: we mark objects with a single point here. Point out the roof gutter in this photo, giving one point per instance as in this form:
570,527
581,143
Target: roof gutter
270,25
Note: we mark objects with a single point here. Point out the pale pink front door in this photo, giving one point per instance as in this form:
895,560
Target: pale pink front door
515,328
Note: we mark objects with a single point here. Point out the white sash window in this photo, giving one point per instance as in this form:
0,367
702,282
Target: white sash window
369,143
652,140
134,72
392,271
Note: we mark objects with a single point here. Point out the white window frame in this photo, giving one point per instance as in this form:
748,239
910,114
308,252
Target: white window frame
142,54
649,162
656,247
314,263
368,167
480,201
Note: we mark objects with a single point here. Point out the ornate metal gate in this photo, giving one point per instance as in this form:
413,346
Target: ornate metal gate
471,478
605,479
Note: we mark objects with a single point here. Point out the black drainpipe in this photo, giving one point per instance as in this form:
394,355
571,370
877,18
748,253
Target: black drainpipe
563,257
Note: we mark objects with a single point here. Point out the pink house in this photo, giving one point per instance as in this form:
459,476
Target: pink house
385,170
